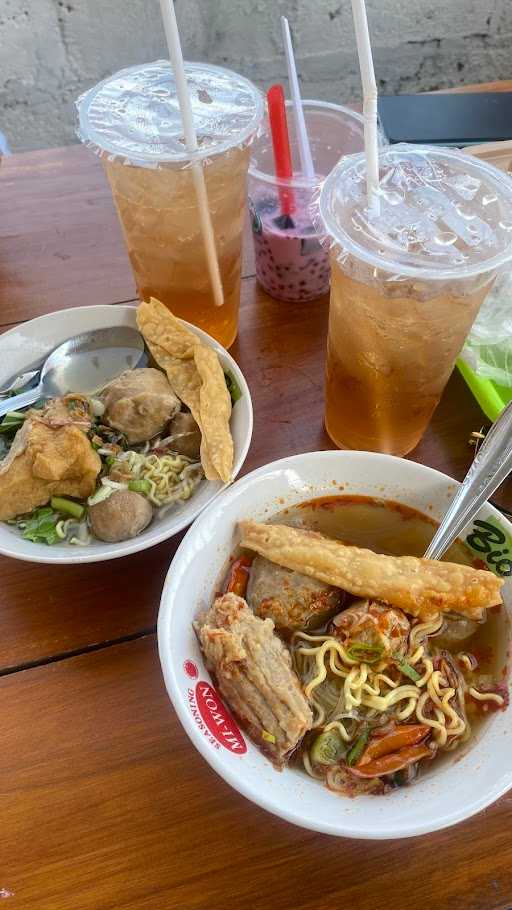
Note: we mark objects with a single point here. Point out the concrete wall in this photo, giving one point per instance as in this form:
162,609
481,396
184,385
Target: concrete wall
51,50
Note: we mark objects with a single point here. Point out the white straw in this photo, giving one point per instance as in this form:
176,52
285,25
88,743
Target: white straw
176,56
308,168
371,146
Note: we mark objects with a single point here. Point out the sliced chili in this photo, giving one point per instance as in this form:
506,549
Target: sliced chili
399,738
238,576
395,761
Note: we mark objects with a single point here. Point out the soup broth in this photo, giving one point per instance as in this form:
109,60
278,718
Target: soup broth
368,694
390,527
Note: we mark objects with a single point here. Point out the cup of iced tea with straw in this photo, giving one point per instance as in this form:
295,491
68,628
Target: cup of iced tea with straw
417,236
132,120
407,282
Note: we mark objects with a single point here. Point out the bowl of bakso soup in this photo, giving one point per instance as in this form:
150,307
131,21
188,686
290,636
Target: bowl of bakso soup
87,477
325,669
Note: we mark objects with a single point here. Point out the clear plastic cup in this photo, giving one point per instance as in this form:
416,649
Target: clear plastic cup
132,120
407,284
291,264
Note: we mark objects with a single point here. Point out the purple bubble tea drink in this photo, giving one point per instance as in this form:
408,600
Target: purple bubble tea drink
291,264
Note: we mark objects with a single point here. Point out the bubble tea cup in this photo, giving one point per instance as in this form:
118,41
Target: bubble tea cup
291,264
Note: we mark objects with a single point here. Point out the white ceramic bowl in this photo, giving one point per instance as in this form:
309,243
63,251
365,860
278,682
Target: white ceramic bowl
461,786
25,346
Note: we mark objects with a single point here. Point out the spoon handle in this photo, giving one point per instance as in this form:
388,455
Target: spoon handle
492,464
20,401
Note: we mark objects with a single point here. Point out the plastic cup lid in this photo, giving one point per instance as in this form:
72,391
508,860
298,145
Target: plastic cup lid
443,214
135,113
350,123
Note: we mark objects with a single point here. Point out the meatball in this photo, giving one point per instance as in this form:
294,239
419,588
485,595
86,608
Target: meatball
139,403
374,624
292,600
121,516
185,435
455,630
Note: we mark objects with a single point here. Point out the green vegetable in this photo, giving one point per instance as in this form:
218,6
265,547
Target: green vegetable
233,387
102,493
406,669
327,748
269,737
12,422
139,486
357,749
67,506
360,650
40,526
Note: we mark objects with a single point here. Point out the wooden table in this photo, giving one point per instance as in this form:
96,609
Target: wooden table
104,804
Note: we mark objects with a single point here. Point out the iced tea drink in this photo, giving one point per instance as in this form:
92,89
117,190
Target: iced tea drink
159,216
406,286
132,120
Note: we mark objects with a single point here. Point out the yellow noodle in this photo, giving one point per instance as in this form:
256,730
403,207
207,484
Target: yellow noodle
409,709
337,725
365,685
382,703
438,727
352,701
429,669
457,725
464,659
164,473
306,761
424,629
385,679
414,658
486,696
338,671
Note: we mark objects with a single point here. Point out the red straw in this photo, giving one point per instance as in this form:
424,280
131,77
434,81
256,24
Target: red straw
281,145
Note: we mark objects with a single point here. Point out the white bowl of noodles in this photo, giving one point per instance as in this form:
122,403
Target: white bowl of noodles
453,787
25,348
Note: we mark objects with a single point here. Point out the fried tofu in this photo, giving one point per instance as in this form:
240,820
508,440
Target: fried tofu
45,461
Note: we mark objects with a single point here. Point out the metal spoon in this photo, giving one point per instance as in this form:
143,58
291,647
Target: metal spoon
491,465
83,364
19,382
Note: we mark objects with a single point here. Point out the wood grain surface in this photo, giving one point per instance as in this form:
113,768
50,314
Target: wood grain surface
105,804
281,350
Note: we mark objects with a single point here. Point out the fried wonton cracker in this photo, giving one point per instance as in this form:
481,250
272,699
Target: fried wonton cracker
420,587
215,411
158,326
196,376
